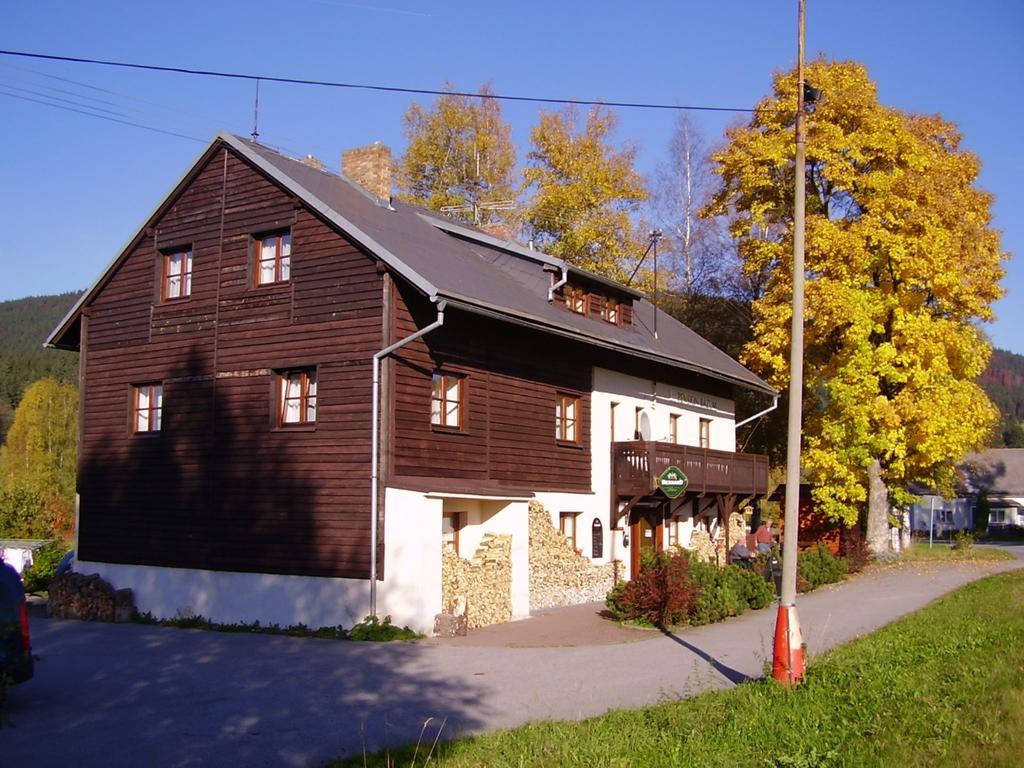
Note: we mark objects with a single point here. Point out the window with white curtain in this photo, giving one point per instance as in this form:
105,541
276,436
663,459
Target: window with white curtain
273,258
447,398
296,399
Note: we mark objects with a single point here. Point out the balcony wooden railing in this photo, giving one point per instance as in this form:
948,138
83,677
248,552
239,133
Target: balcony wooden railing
638,464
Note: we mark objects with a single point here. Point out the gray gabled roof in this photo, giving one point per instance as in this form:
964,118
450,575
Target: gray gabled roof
997,471
469,269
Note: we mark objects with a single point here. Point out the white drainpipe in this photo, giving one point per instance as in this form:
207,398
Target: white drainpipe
559,284
769,409
375,448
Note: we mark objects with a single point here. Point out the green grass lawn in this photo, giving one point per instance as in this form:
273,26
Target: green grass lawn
943,687
921,552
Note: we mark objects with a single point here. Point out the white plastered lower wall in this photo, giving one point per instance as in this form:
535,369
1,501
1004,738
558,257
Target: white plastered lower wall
657,402
230,597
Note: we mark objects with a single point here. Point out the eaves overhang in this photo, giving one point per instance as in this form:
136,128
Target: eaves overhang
468,304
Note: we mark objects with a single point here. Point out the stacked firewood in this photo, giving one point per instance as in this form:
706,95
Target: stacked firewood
484,584
90,598
559,575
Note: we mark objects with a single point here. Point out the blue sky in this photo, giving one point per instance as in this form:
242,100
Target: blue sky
75,188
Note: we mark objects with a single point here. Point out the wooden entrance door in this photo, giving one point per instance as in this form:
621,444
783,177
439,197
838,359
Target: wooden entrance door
646,533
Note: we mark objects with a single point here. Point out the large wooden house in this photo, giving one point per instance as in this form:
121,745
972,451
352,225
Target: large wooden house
288,382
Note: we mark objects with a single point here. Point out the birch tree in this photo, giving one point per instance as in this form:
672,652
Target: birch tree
460,159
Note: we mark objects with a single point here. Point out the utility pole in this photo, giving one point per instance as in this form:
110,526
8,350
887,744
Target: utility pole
788,653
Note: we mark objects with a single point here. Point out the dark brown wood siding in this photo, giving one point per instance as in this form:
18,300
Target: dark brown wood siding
512,379
220,487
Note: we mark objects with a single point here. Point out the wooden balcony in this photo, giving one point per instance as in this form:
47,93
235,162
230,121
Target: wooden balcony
636,466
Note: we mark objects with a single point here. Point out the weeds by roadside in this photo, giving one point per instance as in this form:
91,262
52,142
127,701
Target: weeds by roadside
369,629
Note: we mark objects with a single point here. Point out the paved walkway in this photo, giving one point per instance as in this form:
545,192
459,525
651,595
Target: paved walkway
130,695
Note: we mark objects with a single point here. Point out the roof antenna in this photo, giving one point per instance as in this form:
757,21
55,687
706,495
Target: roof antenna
256,113
655,235
652,244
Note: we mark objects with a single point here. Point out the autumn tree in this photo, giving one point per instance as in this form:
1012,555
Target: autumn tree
460,158
38,462
583,192
697,249
902,264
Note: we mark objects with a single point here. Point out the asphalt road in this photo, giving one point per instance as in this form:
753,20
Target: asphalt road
129,695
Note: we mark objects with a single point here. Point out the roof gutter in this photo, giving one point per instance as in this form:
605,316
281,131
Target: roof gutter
375,441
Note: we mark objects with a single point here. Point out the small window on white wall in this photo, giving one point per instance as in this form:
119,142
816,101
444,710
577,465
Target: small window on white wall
567,525
705,433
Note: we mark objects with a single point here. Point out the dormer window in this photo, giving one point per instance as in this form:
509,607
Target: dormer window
576,299
611,311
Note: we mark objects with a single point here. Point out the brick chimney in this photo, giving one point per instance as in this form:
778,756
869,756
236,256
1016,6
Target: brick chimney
370,168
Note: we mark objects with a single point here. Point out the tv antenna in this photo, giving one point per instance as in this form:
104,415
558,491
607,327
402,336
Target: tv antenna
256,113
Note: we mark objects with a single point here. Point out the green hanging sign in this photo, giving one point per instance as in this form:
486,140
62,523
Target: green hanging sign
673,482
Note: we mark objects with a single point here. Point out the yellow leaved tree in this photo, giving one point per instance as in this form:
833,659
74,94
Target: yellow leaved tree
583,192
902,264
460,159
38,463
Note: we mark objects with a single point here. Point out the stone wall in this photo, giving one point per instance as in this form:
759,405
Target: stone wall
706,550
485,581
558,574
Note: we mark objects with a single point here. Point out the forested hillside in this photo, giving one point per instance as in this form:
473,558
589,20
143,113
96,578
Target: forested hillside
1004,383
24,326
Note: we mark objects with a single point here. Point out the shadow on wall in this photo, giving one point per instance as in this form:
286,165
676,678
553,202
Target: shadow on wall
218,487
162,696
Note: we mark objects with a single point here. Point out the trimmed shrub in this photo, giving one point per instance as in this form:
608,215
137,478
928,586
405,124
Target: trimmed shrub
816,567
726,592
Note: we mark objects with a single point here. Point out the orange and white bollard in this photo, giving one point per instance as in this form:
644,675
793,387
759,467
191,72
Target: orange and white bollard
788,653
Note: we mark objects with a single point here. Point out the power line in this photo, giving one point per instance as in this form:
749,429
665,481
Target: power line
103,117
369,87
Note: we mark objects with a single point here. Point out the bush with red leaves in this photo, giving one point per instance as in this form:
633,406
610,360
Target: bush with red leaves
662,593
